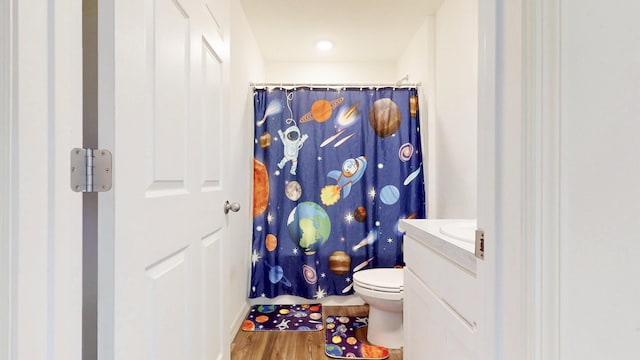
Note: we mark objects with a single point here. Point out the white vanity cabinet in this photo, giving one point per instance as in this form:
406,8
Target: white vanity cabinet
441,298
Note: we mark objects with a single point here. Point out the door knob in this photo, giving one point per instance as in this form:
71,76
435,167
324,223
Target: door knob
231,206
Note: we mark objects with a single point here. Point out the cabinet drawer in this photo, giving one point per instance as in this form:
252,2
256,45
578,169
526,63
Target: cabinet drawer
453,284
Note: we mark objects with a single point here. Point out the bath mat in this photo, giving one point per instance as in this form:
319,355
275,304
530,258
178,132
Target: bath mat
341,341
304,317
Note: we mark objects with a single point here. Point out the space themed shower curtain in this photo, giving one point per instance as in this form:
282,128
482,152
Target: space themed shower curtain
334,172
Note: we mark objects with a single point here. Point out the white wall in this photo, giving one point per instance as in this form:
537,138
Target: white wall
330,72
455,124
246,66
5,179
418,62
599,180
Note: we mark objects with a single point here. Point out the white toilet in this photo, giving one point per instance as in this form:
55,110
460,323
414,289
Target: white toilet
382,289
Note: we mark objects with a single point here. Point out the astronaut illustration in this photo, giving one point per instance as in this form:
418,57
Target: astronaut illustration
292,142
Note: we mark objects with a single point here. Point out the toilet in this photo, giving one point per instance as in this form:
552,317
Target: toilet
382,289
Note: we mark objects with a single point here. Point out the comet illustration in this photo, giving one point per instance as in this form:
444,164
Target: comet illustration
363,264
372,236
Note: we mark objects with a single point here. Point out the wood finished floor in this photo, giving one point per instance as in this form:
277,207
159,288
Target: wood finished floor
291,345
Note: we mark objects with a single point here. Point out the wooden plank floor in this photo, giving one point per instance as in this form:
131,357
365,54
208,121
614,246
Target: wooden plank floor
292,345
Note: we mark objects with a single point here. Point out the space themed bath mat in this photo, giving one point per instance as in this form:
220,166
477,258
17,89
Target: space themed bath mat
341,341
304,317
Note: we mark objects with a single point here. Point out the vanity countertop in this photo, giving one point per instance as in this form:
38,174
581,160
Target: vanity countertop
427,232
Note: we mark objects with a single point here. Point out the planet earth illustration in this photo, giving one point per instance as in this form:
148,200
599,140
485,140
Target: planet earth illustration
309,226
339,262
333,350
385,117
266,309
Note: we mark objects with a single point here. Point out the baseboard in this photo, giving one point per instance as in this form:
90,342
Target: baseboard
327,301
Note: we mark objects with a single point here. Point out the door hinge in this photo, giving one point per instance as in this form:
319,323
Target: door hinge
480,244
90,170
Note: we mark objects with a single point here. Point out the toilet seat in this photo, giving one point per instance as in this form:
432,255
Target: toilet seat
389,281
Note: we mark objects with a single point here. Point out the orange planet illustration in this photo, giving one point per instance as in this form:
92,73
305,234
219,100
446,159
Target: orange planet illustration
260,188
248,325
262,318
374,352
321,110
339,263
271,242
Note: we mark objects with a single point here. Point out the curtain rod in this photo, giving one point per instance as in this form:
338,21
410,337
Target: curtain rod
334,85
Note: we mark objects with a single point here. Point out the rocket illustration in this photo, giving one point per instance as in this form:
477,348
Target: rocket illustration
352,171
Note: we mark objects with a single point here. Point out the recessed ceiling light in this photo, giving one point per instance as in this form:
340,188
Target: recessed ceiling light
324,45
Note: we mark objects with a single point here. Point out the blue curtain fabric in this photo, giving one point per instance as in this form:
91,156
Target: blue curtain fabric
334,172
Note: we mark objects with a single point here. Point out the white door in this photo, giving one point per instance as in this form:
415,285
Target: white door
163,68
40,217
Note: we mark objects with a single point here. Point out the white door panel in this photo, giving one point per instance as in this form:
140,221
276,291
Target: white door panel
164,215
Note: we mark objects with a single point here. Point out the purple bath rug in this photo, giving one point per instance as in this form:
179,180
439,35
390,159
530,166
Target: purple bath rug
304,317
341,341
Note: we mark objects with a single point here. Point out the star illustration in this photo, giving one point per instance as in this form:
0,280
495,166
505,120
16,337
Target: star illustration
348,279
320,293
255,257
269,218
372,193
389,240
295,251
323,275
348,218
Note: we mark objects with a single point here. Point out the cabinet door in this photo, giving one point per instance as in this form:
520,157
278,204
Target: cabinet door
433,329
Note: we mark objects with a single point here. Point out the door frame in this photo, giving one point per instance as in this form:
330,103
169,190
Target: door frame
519,177
40,120
5,178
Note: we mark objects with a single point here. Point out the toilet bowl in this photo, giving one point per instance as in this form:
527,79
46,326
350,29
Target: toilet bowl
382,289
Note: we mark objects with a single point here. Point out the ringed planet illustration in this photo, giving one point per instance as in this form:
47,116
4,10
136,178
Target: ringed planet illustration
321,110
276,275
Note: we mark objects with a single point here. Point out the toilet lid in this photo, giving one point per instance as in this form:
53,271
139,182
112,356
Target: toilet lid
384,279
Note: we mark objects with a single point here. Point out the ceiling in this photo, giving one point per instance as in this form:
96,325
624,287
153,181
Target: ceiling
360,30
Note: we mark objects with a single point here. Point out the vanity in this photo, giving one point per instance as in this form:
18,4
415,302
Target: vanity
441,292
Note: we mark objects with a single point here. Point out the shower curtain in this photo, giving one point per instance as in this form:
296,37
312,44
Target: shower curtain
334,172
